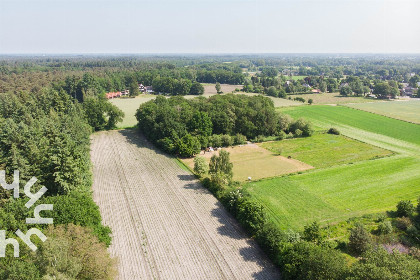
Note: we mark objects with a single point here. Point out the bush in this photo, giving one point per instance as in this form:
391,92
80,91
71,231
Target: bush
298,132
308,261
259,139
299,99
359,240
239,139
251,215
18,269
405,208
269,237
282,135
188,146
403,223
379,264
220,167
303,125
200,166
333,130
314,233
418,201
385,227
72,252
292,236
310,101
226,140
215,140
79,209
381,218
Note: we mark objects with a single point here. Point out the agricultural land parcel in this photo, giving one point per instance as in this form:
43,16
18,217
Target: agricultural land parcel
407,110
255,162
334,98
339,192
166,225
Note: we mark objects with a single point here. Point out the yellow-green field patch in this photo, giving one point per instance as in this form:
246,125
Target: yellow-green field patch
403,110
255,162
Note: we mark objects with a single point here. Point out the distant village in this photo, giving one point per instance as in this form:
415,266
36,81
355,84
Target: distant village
405,91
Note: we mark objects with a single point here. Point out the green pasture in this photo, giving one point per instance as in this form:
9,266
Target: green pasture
402,110
325,150
325,116
335,194
332,193
129,106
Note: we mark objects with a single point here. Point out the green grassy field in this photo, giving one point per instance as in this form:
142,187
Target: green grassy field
325,116
325,150
129,106
336,193
402,110
334,98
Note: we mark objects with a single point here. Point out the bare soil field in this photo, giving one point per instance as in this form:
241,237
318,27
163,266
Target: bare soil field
165,224
256,162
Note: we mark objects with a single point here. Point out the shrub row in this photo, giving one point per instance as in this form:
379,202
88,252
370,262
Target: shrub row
312,257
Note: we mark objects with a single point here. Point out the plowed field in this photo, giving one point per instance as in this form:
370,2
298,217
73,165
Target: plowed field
165,224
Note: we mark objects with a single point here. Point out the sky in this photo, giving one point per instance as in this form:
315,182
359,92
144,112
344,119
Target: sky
209,26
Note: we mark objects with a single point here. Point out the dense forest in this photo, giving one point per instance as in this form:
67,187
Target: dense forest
183,126
172,75
46,135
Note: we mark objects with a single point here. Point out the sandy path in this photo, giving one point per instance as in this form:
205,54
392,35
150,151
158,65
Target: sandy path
165,225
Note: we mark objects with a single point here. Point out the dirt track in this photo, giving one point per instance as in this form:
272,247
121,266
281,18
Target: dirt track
165,225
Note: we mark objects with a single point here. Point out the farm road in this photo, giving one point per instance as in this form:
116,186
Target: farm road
165,225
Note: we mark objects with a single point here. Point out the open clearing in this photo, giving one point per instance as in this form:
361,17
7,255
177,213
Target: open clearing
165,224
324,150
256,162
336,193
129,106
403,110
211,88
333,98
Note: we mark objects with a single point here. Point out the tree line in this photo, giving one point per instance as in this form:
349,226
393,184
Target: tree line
310,254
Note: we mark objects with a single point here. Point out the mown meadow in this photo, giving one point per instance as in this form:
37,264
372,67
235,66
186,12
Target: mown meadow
402,110
339,187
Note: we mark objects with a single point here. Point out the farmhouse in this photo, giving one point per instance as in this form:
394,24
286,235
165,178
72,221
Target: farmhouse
110,95
142,88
